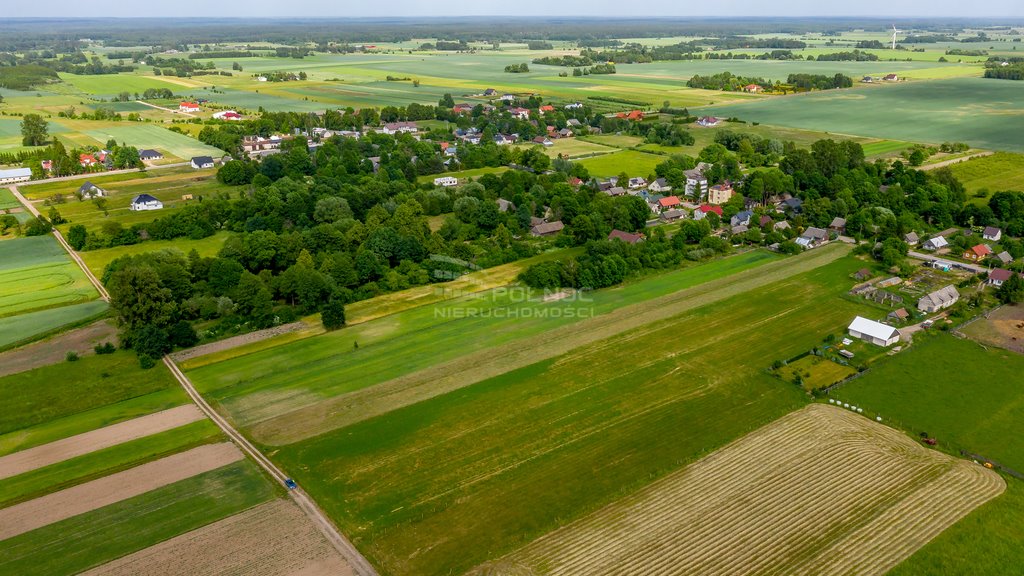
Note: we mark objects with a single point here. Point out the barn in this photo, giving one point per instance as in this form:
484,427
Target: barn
874,332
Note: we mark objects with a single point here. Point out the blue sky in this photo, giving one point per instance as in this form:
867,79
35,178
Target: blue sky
633,8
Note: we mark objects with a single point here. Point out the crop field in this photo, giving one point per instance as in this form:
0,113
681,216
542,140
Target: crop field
7,200
819,491
504,479
631,162
984,113
110,85
150,136
93,538
36,274
38,190
984,176
977,408
97,260
23,328
884,147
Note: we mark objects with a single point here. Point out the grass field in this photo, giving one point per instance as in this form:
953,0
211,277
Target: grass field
87,540
573,147
976,407
97,260
983,113
7,200
36,274
631,162
69,398
815,371
557,439
820,491
990,174
24,328
884,147
462,174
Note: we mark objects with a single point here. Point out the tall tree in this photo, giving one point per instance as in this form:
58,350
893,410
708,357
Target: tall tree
34,130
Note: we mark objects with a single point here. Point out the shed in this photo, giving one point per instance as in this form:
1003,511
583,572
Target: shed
874,332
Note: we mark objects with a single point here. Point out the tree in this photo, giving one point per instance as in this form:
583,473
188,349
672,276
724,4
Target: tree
77,236
34,130
333,314
139,299
1012,290
236,172
151,341
917,157
182,335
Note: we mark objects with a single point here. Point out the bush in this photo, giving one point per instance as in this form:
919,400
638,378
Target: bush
105,348
71,356
146,361
333,314
182,335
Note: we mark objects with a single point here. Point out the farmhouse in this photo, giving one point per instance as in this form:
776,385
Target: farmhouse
705,209
978,252
188,107
446,181
708,121
634,115
939,300
741,218
874,332
813,237
992,233
202,162
15,175
145,202
547,228
753,88
399,128
720,193
668,202
998,276
891,78
89,191
87,160
838,225
911,238
672,215
935,243
227,115
149,155
659,186
625,236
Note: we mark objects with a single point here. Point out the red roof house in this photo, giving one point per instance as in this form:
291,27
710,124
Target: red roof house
625,236
752,88
977,252
705,208
668,202
188,107
86,160
547,108
635,115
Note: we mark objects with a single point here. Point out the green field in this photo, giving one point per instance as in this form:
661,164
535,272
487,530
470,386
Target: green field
572,148
69,398
37,274
7,200
424,489
984,176
970,398
23,328
631,162
108,86
983,113
885,147
97,260
461,174
150,136
90,539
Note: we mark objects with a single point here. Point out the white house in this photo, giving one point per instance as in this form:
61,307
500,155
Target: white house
149,155
992,233
660,186
202,162
935,243
695,179
90,191
188,107
874,332
15,175
145,202
446,181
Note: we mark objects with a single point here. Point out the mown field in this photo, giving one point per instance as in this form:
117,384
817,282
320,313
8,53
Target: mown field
81,542
983,113
23,328
985,176
968,398
632,162
97,260
423,489
36,274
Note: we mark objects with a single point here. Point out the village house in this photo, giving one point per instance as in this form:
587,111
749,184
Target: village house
992,233
705,209
13,175
672,215
625,237
547,228
873,332
720,193
615,191
227,115
255,144
660,186
505,205
741,218
899,315
764,220
708,121
200,162
938,300
935,243
668,202
520,113
393,128
188,107
446,181
838,225
812,237
998,276
637,182
977,252
695,180
753,88
546,108
145,202
463,108
88,191
1004,257
739,229
87,160
148,155
911,238
793,205
574,106
634,115
781,225
891,78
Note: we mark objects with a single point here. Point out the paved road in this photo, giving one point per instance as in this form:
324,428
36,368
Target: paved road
356,560
60,238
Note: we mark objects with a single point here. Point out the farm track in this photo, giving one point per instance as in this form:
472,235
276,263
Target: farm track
250,542
333,413
83,498
60,450
819,491
359,565
952,161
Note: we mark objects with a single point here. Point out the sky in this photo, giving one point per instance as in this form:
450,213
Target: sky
632,8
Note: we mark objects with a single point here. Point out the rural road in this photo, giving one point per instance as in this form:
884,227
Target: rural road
962,265
99,174
171,110
359,564
60,238
955,161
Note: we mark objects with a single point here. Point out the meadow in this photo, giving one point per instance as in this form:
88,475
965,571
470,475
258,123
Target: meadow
422,489
81,542
24,328
632,162
36,274
976,407
987,175
983,113
97,260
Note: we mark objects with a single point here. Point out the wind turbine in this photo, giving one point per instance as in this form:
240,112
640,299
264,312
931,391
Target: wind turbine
894,33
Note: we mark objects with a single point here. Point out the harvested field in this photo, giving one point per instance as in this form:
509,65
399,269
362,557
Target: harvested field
26,460
53,350
40,512
1003,328
272,539
819,491
318,416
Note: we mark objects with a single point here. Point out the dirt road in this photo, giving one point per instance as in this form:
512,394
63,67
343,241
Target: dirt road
359,564
952,161
171,110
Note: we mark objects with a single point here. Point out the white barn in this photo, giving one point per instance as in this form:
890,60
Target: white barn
874,332
15,175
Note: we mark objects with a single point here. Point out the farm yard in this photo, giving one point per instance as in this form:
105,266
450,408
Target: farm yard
875,496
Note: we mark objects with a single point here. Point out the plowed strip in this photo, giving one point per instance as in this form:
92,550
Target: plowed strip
820,491
272,539
28,460
83,498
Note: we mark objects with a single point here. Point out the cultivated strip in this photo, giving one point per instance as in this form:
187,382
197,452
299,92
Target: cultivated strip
83,498
820,491
54,452
421,385
272,539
